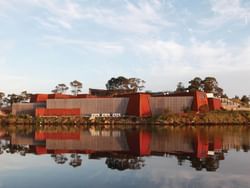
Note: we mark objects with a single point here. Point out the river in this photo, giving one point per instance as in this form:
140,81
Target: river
172,157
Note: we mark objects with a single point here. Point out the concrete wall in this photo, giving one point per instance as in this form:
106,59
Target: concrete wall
26,108
91,105
172,103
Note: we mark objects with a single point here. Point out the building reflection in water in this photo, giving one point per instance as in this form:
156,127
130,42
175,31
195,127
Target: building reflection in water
203,147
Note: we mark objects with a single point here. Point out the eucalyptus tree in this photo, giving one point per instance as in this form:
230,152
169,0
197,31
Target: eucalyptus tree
180,87
60,88
123,83
23,97
245,100
76,87
1,98
195,84
208,85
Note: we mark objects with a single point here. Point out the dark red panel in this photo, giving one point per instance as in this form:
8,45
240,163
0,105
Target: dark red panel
200,100
41,150
217,143
201,145
38,98
134,105
138,105
145,109
139,142
57,112
214,104
41,135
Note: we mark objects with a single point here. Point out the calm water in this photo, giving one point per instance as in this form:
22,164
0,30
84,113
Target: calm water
103,157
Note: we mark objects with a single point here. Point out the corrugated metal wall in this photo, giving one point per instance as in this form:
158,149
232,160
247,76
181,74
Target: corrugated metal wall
91,105
26,108
88,142
172,103
171,142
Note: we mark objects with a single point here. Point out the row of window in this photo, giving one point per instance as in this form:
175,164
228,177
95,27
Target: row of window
105,115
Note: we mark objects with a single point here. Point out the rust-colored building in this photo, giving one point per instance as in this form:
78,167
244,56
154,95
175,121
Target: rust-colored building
135,104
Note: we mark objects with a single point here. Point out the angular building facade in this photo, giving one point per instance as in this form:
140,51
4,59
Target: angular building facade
135,104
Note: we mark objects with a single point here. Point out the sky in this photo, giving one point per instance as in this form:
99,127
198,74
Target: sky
47,42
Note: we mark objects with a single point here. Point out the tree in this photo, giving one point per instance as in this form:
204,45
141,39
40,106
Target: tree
1,98
76,87
11,98
224,96
195,84
60,88
180,87
245,99
210,85
123,83
24,96
236,97
117,83
136,84
14,98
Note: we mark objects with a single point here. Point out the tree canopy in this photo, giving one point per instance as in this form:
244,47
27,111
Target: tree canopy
76,87
1,98
208,85
195,84
15,98
245,100
60,88
180,87
123,83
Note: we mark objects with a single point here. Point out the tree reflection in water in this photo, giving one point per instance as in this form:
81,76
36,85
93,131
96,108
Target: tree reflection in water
209,163
76,160
59,158
125,163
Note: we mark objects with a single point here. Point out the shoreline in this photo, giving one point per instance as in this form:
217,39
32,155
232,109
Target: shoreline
223,118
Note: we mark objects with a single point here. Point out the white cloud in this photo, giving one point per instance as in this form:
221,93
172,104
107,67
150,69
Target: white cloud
144,17
105,48
56,12
226,11
173,61
5,48
141,17
189,179
201,56
142,28
61,13
4,5
165,51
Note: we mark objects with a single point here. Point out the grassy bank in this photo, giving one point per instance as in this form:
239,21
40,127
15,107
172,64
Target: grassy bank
190,118
209,118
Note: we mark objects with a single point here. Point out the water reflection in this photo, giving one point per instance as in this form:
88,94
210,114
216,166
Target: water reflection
202,147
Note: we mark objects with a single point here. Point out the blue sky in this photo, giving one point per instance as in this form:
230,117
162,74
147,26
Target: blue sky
46,42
